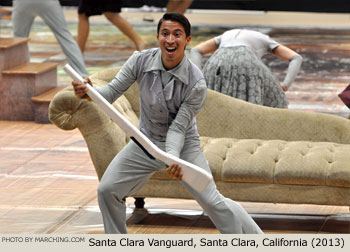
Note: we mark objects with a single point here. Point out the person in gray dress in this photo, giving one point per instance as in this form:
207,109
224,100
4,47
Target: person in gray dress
172,92
235,68
50,11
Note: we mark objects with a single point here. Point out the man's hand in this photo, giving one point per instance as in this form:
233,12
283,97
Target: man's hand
174,171
283,87
80,90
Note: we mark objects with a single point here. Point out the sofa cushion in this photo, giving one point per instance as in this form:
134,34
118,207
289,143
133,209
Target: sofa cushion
277,161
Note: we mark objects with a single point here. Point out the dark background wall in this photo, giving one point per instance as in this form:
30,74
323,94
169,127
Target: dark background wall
340,6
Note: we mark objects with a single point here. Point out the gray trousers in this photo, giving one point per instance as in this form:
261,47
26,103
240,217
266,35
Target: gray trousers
131,169
24,13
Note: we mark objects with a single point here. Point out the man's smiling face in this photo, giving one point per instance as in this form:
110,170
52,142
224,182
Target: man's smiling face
173,41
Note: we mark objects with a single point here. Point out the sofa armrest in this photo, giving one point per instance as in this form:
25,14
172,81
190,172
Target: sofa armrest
224,116
103,137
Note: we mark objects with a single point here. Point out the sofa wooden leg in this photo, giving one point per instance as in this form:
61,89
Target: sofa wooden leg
139,202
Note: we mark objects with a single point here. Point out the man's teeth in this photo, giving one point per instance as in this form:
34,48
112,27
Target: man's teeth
171,49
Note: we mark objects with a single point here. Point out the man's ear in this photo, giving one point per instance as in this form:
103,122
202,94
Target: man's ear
188,40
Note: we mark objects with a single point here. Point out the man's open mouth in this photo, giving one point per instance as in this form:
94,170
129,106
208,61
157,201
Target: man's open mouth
170,49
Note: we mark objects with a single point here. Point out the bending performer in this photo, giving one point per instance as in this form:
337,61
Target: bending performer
235,68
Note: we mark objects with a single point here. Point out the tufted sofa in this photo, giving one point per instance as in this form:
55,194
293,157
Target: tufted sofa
256,153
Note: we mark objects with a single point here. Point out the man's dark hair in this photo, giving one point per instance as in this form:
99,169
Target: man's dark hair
176,17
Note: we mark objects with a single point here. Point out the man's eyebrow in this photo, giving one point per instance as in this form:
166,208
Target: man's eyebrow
177,30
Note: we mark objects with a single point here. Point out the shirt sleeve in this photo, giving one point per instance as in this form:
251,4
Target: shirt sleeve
122,81
271,44
293,70
190,107
217,40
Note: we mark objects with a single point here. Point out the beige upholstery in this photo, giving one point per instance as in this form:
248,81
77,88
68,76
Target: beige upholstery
256,153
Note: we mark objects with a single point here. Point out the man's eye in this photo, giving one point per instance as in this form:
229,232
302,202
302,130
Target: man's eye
164,34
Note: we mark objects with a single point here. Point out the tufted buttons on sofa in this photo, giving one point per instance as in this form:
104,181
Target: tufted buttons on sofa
277,161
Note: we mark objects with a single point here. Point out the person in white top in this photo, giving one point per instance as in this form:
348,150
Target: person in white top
235,68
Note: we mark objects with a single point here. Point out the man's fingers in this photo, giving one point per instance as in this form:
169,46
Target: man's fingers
177,171
174,171
79,89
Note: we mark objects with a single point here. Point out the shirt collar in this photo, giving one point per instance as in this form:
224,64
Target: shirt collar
180,71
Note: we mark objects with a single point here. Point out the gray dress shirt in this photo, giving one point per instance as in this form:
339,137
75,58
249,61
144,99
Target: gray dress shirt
168,110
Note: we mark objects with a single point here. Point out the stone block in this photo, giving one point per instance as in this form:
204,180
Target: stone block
13,52
20,84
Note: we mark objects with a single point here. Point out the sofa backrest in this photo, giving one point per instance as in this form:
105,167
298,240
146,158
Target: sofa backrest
224,116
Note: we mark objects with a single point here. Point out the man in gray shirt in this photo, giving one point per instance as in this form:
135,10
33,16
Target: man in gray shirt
172,91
